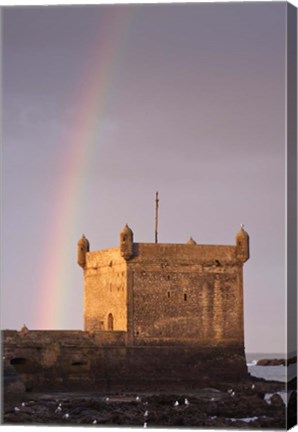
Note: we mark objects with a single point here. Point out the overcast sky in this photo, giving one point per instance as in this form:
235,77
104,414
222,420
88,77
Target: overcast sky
103,106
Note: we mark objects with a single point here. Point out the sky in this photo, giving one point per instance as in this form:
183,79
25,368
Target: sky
104,105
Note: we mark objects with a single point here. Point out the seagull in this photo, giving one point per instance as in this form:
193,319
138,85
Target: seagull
138,398
176,404
233,394
230,391
145,425
107,399
146,413
58,409
23,404
17,409
94,422
186,402
66,415
253,386
212,399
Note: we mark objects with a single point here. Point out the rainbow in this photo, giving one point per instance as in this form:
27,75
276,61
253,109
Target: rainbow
92,98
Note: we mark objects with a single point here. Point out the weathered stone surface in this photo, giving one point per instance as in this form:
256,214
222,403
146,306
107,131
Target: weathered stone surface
167,293
103,361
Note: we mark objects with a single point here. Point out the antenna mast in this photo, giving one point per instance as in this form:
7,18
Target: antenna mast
156,217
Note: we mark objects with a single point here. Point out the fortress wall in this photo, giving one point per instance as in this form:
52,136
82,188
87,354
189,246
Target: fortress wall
105,291
197,306
108,338
68,361
184,293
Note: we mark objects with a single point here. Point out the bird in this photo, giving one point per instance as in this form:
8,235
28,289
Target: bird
17,409
176,404
138,398
253,386
186,402
94,422
233,394
107,399
58,409
23,404
146,413
145,425
66,415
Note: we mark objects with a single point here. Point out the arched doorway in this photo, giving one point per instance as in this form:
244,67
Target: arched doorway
110,322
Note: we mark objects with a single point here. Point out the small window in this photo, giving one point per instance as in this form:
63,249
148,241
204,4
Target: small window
18,361
185,297
110,322
78,363
169,294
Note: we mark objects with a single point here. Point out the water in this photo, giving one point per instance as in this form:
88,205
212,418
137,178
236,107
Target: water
270,373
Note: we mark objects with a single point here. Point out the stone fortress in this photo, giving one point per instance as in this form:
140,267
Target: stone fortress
156,317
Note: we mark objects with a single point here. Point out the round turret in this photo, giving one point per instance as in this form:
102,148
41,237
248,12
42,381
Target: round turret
242,245
126,242
83,248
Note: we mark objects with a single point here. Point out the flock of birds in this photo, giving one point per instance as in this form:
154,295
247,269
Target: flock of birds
59,409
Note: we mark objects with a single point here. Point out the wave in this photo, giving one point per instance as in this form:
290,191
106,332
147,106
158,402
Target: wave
252,363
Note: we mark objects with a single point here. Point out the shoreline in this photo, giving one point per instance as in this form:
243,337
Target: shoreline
239,405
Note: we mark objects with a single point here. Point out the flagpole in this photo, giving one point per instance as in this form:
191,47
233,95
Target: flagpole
156,217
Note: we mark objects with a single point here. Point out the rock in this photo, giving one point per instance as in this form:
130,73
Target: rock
276,400
272,362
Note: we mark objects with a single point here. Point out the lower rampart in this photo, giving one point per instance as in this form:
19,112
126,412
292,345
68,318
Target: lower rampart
103,361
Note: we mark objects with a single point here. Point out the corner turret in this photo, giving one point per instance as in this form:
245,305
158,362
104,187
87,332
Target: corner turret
126,242
242,245
83,248
191,241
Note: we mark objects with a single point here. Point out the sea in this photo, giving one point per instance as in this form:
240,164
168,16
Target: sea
271,373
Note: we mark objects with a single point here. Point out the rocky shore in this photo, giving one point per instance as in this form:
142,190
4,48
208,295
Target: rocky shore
277,362
255,404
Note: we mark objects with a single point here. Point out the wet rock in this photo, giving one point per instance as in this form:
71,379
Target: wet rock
277,362
205,409
276,400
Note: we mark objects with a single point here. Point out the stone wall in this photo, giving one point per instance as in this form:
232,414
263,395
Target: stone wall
185,294
105,291
166,293
80,361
